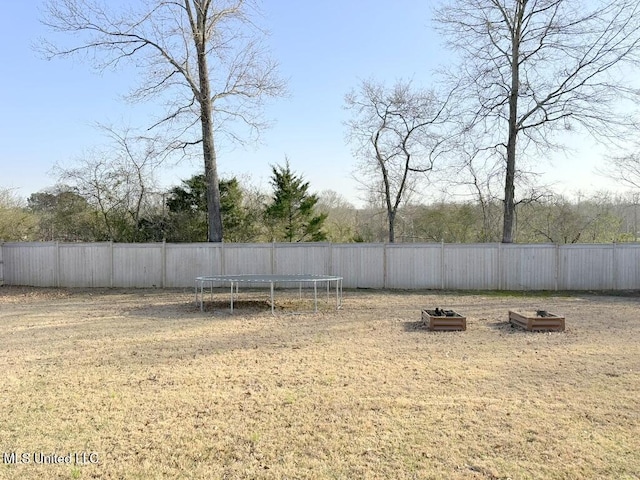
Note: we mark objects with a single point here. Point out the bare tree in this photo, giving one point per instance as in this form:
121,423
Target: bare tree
481,180
206,54
63,215
395,132
531,68
558,220
16,223
625,169
341,216
118,181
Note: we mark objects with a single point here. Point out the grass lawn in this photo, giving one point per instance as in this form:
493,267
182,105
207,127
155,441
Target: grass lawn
140,384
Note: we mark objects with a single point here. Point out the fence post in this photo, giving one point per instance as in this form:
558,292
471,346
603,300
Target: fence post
57,265
442,265
499,266
384,266
1,266
557,273
614,273
164,263
273,257
111,263
223,260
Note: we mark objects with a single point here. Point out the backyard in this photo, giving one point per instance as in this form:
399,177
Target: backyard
140,384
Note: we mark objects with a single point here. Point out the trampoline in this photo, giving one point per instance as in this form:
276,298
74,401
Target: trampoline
272,280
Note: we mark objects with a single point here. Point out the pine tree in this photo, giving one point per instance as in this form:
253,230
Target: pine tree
188,203
291,215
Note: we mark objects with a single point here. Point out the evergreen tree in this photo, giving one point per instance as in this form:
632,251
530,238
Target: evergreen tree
188,203
291,216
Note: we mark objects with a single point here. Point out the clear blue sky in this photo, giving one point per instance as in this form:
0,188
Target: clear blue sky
324,50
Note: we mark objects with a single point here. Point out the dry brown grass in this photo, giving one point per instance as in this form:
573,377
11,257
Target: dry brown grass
158,389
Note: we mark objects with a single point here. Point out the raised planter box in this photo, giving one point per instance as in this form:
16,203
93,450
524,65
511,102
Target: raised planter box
444,320
537,321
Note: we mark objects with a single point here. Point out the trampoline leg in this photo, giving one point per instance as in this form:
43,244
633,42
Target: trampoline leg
315,297
231,297
272,313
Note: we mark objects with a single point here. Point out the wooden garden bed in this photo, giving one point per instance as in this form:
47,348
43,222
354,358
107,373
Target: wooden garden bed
444,320
537,321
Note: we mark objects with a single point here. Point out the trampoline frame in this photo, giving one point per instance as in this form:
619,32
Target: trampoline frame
236,280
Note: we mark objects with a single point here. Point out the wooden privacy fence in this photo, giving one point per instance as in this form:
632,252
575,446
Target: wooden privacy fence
405,266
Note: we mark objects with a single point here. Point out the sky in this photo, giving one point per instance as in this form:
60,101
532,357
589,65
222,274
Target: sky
325,49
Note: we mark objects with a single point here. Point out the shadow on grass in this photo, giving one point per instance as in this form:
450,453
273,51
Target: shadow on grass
415,326
503,327
422,326
220,309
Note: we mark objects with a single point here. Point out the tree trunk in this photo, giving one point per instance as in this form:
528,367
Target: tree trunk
509,184
392,221
208,147
213,189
